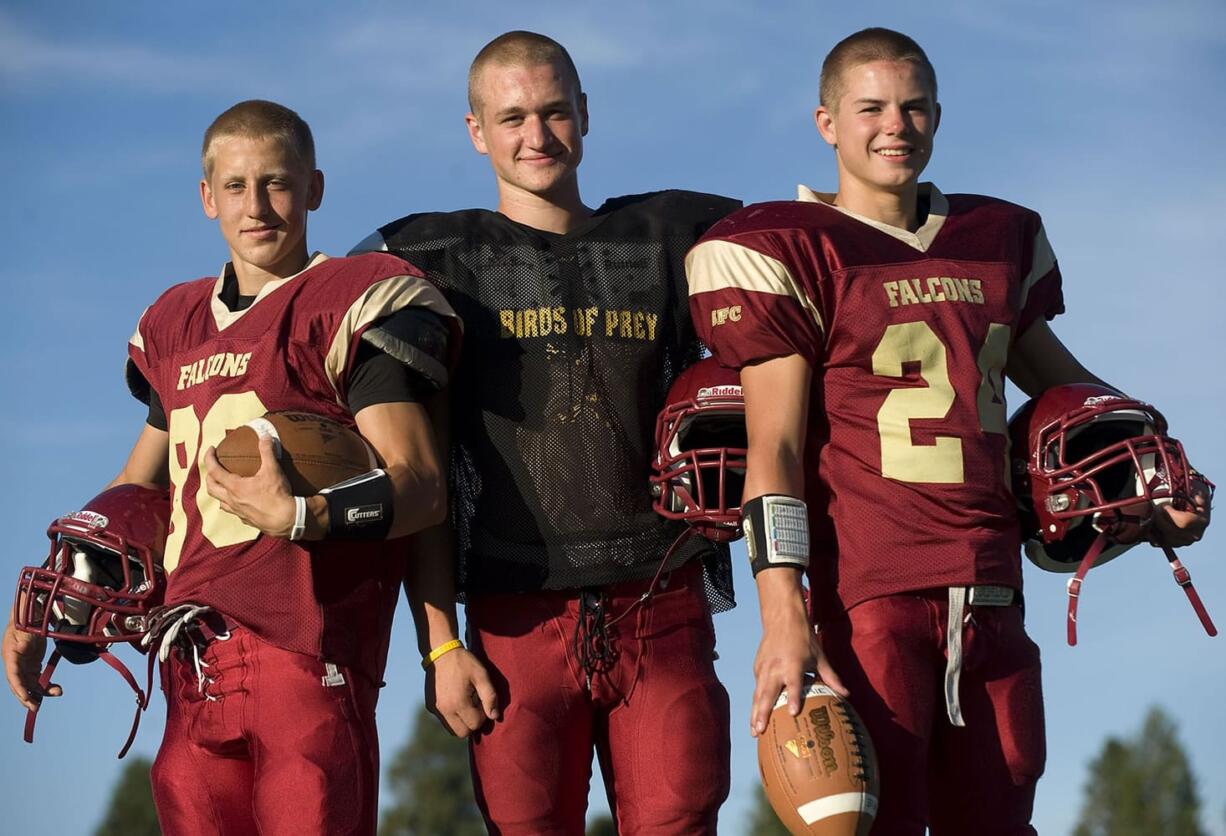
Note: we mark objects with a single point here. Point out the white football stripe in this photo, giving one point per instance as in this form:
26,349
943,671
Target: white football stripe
815,689
263,427
833,805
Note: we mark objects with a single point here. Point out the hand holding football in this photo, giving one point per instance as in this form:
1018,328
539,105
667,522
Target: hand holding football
315,452
818,768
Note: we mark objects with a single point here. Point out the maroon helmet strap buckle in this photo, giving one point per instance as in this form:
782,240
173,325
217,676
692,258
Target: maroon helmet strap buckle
1184,578
1074,584
44,681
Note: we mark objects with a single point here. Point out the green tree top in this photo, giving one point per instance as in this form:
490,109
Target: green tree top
430,785
131,811
762,819
1142,786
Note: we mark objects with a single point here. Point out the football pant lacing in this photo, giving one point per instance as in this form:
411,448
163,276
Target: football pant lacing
592,644
178,626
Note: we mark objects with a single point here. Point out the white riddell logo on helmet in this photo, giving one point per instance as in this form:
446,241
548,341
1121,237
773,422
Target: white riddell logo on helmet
1097,399
89,518
720,392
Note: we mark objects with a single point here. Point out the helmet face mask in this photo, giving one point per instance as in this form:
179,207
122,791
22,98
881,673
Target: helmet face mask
85,594
101,580
102,576
1088,461
699,471
1089,468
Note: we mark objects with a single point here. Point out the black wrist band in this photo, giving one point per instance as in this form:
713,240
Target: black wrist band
776,532
360,508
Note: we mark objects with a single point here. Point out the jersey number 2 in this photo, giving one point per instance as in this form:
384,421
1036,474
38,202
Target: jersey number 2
915,342
219,528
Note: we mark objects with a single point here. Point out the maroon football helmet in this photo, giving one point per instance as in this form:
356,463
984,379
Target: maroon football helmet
101,580
1089,466
699,471
103,575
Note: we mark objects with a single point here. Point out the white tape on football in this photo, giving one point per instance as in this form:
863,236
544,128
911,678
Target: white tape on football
815,689
266,429
835,805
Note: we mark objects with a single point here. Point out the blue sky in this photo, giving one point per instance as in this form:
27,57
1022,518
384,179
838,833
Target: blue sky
1107,117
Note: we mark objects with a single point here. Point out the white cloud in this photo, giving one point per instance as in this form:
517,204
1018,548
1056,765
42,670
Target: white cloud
34,60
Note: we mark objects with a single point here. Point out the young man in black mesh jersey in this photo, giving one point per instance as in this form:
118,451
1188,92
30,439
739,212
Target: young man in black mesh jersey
576,324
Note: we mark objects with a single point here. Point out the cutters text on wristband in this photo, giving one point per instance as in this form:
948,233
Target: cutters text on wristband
360,508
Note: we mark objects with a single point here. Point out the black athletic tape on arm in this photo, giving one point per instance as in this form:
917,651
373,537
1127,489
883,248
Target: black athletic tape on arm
416,337
776,532
360,508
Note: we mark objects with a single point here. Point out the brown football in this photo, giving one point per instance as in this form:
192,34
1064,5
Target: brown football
819,769
315,452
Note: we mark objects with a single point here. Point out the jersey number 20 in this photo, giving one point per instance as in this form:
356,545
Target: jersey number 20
195,436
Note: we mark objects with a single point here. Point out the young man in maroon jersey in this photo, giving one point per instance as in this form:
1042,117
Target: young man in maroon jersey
872,328
576,324
278,608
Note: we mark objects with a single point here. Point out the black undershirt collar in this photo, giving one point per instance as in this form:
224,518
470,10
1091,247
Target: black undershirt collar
230,296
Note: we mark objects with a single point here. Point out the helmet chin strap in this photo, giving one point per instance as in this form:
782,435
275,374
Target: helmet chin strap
1182,577
142,697
1074,583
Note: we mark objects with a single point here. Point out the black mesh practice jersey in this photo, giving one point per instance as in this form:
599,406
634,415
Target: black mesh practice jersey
571,343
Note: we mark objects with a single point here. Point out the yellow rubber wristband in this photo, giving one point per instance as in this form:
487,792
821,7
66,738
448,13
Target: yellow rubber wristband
440,651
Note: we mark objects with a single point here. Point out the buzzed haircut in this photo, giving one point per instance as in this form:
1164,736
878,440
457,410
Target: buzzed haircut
259,119
519,48
867,45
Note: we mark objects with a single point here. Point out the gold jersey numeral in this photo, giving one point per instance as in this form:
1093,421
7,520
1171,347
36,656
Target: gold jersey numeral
940,462
189,439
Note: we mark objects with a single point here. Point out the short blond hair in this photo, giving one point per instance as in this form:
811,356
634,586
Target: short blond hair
519,49
259,119
865,46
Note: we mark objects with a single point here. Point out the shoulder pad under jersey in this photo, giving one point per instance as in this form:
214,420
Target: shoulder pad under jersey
418,338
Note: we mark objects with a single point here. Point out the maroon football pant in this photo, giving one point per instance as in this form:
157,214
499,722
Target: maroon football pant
657,716
977,779
263,746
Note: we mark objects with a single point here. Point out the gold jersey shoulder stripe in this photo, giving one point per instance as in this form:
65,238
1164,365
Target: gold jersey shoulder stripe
725,265
1041,262
138,339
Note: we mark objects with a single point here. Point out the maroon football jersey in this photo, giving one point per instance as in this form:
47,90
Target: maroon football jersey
215,369
908,335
